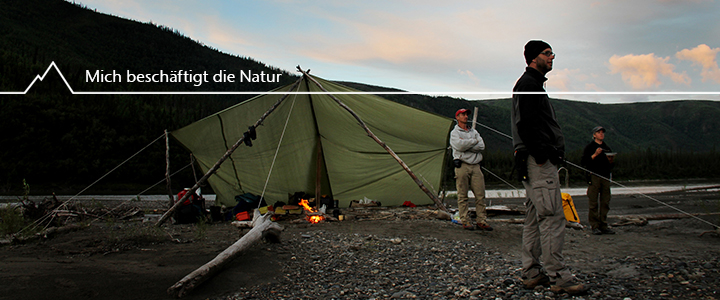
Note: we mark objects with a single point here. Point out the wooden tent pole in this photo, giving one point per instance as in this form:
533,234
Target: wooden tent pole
437,201
318,174
227,154
474,117
167,168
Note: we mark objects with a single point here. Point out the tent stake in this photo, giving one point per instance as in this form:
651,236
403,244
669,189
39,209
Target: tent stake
227,154
437,201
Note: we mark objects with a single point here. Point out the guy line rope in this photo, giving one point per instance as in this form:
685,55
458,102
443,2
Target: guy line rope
64,203
282,135
610,180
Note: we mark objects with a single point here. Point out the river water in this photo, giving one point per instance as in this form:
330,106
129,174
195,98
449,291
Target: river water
626,189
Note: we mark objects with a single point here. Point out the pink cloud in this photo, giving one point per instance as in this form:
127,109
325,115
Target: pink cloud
561,79
703,56
643,71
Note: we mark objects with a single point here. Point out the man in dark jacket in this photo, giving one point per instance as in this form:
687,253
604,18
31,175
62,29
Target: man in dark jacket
539,148
598,159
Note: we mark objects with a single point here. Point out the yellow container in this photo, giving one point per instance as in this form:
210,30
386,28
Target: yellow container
265,209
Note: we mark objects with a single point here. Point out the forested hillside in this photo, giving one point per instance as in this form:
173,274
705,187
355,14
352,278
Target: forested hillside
58,141
61,142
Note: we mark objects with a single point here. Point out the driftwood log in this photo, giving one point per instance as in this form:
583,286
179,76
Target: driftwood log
263,227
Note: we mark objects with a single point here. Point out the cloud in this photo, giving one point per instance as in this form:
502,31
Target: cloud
571,80
593,87
561,79
470,75
704,56
643,71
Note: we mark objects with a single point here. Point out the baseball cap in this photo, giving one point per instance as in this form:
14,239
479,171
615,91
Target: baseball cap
460,111
596,129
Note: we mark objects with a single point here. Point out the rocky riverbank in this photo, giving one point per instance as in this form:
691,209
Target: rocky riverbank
324,264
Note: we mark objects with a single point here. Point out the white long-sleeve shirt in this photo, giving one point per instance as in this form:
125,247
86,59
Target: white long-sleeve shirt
466,145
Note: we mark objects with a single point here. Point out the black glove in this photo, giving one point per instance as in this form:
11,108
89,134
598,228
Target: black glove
246,138
252,133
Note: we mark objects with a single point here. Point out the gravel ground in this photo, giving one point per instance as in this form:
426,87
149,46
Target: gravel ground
329,265
387,253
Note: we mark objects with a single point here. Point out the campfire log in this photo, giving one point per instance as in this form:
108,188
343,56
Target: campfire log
262,227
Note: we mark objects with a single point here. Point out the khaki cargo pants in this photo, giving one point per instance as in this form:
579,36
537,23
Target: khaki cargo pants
544,230
469,176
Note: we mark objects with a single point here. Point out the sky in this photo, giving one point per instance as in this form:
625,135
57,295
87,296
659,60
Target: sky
606,51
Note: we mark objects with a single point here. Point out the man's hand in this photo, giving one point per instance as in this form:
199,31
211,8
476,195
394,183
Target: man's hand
597,152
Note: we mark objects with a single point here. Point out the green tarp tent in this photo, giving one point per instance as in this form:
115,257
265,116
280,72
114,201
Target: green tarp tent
352,165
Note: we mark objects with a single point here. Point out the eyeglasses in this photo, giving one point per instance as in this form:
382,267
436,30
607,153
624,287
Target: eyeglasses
548,53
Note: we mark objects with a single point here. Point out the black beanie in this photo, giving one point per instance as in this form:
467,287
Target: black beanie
533,49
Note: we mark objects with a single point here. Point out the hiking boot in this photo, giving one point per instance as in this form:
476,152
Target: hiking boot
607,231
484,226
540,279
570,287
468,227
597,231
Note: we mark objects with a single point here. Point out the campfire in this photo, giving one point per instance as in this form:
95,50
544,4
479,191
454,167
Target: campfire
311,214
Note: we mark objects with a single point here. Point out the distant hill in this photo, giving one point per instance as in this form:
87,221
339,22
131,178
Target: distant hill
36,32
687,125
56,139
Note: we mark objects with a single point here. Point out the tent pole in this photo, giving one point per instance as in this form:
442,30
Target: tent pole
474,117
167,168
318,174
437,201
227,154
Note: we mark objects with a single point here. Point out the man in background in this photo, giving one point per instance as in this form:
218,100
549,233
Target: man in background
598,159
467,145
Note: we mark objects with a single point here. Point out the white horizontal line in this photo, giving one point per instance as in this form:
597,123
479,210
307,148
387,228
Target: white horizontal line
390,93
52,65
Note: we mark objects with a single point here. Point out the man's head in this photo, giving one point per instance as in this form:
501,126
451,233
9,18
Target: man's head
539,55
598,133
461,115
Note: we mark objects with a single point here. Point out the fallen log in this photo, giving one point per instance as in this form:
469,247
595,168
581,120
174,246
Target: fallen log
642,219
262,227
667,216
48,233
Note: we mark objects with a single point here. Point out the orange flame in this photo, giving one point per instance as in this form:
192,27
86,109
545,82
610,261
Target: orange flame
307,207
314,218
